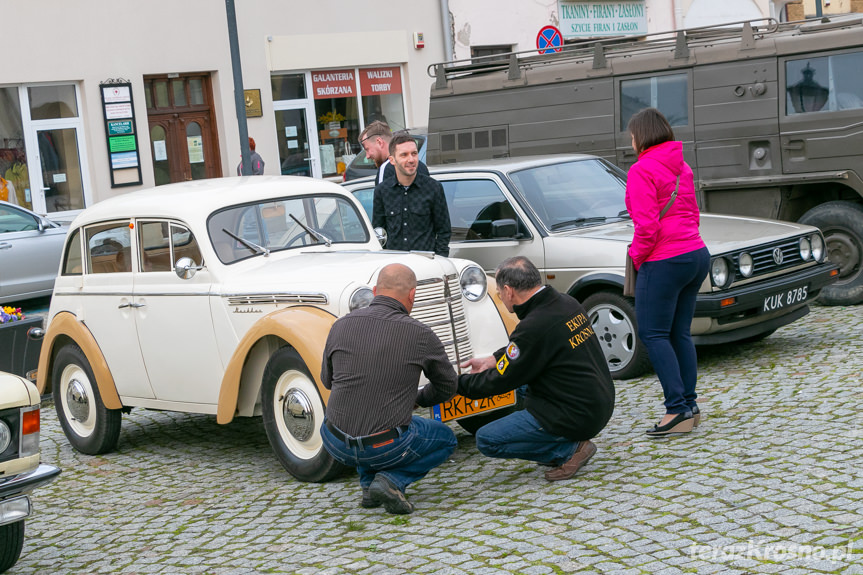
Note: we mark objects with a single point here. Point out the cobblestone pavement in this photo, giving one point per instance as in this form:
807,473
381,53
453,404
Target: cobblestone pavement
769,483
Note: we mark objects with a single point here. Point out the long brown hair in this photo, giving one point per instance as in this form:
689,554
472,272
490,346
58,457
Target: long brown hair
649,128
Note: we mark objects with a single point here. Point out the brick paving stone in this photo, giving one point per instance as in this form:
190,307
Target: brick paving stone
775,463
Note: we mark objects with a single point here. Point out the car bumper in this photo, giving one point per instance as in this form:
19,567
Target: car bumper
26,482
759,307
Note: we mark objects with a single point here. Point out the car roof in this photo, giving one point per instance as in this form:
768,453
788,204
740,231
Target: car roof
510,164
198,199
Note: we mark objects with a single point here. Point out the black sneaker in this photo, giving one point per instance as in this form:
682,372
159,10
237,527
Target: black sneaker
367,501
383,492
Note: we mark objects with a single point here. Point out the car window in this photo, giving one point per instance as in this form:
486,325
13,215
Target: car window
248,230
72,258
161,250
12,220
573,193
366,196
473,207
108,248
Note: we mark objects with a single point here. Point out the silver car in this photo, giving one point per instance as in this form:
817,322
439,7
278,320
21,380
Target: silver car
567,214
30,248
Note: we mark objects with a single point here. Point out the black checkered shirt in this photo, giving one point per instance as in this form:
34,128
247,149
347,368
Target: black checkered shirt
416,218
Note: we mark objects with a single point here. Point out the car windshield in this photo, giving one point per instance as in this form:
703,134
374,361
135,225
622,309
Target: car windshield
573,194
249,230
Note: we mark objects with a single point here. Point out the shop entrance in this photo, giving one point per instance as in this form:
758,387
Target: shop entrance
183,134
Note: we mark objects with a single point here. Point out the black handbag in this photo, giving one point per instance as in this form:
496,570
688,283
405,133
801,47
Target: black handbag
630,273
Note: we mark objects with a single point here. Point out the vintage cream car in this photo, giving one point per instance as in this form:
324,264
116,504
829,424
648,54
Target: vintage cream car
566,213
217,296
20,469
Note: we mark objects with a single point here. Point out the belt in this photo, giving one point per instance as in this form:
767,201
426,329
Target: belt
367,440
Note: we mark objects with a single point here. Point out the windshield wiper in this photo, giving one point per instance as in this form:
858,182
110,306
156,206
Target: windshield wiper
252,246
319,237
578,222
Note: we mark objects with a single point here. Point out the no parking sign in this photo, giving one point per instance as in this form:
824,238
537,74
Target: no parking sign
549,40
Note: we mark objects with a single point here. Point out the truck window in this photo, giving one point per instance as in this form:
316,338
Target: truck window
824,84
668,94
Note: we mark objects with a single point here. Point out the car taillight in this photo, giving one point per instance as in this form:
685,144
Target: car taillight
29,431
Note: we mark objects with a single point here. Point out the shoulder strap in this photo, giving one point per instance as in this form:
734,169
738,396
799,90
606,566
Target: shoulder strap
670,200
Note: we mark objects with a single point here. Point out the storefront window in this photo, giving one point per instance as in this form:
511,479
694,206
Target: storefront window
337,113
382,96
15,185
288,87
51,102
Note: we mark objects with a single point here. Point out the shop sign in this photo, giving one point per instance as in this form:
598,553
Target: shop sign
599,18
121,134
377,81
334,84
119,127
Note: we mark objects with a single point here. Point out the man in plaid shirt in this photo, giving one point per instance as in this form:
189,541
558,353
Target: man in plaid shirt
411,207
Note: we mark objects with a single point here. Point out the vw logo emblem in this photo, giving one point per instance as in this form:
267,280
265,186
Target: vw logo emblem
777,256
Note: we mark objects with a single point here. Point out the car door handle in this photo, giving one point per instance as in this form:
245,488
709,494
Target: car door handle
135,305
793,145
5,246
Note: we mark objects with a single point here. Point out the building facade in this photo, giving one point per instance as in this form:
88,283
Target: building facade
107,97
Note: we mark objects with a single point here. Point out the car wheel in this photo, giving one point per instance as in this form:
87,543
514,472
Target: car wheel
293,413
842,226
90,427
11,543
612,317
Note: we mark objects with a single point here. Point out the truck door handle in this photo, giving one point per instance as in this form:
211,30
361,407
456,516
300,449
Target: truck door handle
795,145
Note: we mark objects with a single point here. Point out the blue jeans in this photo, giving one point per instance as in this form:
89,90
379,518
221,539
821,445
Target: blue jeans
665,293
425,445
520,436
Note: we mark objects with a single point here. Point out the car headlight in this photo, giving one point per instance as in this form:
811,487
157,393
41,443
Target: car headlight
744,263
817,244
719,272
5,436
805,249
473,283
361,298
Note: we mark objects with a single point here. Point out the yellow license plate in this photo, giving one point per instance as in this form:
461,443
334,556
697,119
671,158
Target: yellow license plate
460,406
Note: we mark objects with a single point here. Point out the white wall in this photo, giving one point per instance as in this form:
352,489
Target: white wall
90,41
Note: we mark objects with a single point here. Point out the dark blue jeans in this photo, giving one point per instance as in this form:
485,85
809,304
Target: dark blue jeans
665,292
520,436
425,445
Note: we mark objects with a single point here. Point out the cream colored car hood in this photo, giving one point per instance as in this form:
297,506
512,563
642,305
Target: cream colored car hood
16,391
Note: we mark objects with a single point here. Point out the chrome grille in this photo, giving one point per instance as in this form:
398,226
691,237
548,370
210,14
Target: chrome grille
438,304
273,298
762,257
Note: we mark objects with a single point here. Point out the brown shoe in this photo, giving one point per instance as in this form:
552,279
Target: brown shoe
582,455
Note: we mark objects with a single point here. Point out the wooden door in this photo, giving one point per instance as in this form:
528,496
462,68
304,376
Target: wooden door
183,133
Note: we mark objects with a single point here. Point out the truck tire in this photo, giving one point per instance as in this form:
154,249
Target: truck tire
11,543
612,317
842,226
293,413
89,426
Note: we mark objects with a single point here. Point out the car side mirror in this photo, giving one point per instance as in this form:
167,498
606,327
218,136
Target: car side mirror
381,234
185,268
507,228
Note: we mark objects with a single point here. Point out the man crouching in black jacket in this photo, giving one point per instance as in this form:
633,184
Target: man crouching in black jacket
554,353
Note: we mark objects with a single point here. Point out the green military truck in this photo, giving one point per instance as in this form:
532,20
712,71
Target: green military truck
770,115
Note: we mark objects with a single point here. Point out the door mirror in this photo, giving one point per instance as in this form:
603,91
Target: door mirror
381,234
507,228
185,268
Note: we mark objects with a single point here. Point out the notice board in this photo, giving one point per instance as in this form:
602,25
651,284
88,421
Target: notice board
121,133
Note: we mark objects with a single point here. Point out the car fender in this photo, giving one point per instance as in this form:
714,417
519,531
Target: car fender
590,282
510,320
66,325
305,328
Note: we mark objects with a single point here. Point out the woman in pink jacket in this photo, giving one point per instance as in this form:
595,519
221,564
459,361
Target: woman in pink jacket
671,260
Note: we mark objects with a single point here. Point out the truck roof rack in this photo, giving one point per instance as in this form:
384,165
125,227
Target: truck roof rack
746,31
